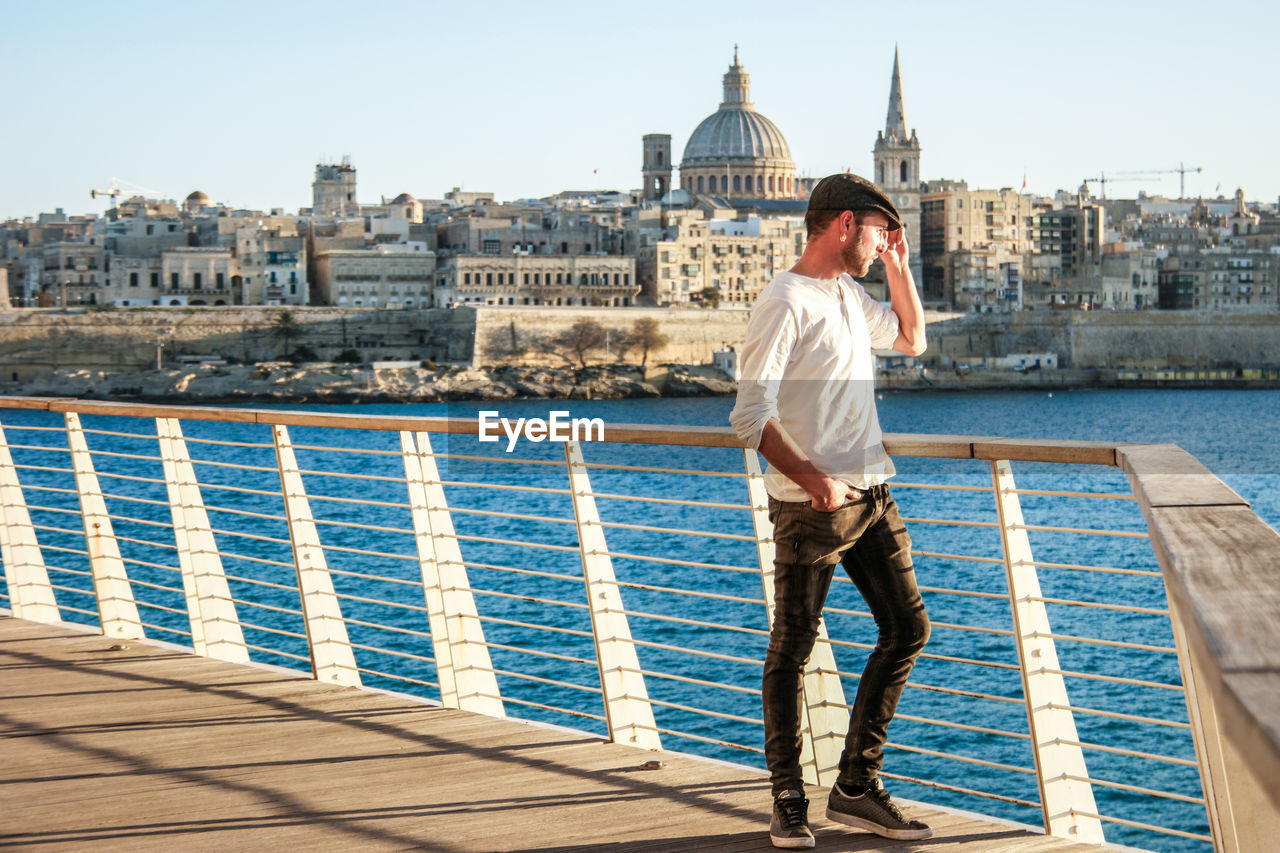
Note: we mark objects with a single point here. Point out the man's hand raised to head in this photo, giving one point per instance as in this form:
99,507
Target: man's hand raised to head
896,255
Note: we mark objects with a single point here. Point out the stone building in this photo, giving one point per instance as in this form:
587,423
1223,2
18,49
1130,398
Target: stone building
735,258
536,279
736,152
897,166
333,192
68,273
272,262
200,275
656,165
973,245
387,276
1130,276
1073,235
135,280
1238,279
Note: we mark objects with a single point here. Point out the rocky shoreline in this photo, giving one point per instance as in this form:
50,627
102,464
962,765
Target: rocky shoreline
281,382
332,383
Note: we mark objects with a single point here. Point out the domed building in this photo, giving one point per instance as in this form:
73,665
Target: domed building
736,152
195,203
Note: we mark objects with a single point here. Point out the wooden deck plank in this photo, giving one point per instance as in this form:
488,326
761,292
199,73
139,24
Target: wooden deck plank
145,749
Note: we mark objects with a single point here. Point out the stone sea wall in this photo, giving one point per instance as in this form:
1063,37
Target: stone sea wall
1114,339
36,342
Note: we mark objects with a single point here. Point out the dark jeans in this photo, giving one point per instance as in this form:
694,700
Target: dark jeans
868,537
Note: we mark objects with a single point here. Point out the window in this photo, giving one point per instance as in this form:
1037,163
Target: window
699,183
133,279
659,158
492,246
748,186
173,280
526,279
488,278
219,281
737,183
564,248
155,279
466,278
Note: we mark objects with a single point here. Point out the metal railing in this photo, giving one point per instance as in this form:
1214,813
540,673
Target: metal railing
624,586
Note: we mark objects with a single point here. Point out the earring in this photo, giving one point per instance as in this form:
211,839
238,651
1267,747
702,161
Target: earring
842,237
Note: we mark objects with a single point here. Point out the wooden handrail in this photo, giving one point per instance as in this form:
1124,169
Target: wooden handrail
897,444
1220,564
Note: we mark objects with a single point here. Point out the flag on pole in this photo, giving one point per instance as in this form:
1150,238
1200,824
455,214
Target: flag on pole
1024,182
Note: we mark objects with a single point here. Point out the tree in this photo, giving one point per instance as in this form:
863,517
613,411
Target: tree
582,337
646,336
710,297
285,327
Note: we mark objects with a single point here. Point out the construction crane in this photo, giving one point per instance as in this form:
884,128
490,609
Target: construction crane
119,187
1181,172
1103,180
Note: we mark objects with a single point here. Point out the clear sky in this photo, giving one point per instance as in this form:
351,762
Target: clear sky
242,99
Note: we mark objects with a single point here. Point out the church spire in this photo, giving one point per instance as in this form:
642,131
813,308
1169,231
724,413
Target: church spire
895,122
737,85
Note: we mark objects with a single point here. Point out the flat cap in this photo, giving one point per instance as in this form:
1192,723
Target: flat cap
845,191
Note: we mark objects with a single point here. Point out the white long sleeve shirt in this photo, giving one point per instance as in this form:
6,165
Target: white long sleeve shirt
808,363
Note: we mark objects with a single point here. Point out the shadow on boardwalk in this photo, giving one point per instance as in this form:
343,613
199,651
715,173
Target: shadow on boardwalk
146,748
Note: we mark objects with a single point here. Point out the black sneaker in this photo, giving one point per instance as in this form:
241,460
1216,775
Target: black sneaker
874,812
790,825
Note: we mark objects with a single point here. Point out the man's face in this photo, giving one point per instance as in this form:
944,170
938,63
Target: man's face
868,239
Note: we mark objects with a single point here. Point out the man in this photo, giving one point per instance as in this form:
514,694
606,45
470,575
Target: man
807,403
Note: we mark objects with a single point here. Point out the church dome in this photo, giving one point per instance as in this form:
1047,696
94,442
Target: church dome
197,197
736,151
403,198
735,133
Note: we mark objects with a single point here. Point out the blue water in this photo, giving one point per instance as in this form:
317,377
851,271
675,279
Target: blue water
1228,430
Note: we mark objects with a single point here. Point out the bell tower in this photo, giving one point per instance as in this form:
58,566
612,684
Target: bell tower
657,165
897,166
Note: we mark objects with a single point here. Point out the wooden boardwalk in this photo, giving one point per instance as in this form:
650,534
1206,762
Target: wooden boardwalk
140,747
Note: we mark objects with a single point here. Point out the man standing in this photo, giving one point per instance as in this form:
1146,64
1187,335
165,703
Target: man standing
807,403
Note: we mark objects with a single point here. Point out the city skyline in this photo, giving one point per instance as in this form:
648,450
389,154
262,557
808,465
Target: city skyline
427,97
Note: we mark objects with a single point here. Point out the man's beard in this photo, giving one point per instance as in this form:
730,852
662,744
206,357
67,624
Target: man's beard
857,260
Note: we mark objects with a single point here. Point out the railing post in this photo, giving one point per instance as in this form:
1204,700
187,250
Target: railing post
117,610
824,722
215,626
463,667
30,595
332,658
626,699
1067,803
